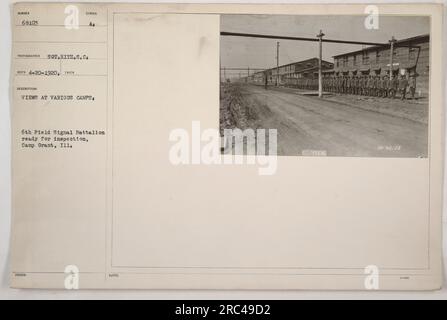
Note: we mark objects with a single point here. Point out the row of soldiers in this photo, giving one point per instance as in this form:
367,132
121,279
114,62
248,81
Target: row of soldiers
366,85
305,83
371,85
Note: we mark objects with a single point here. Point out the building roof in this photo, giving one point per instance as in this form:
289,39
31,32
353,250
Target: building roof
297,62
425,37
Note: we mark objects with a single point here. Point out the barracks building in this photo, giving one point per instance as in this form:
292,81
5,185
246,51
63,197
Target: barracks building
410,57
292,73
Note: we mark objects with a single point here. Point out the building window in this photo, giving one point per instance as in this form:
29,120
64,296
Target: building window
365,57
345,61
377,56
355,60
411,53
337,61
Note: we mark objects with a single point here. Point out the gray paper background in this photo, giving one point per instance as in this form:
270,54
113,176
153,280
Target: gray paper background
5,206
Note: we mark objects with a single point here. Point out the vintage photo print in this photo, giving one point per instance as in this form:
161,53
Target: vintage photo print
350,86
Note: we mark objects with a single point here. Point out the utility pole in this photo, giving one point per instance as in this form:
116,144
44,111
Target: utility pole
320,57
392,41
277,63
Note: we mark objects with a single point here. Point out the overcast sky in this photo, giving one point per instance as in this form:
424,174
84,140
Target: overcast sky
261,53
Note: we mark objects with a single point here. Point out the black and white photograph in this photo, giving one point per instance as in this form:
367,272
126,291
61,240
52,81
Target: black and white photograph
349,86
243,152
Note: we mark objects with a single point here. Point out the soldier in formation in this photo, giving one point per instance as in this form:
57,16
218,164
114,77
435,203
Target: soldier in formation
364,85
403,84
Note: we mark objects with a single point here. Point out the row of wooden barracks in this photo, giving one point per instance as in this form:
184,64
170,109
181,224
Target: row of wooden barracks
410,57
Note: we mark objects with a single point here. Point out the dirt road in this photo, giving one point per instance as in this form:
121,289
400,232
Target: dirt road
340,129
